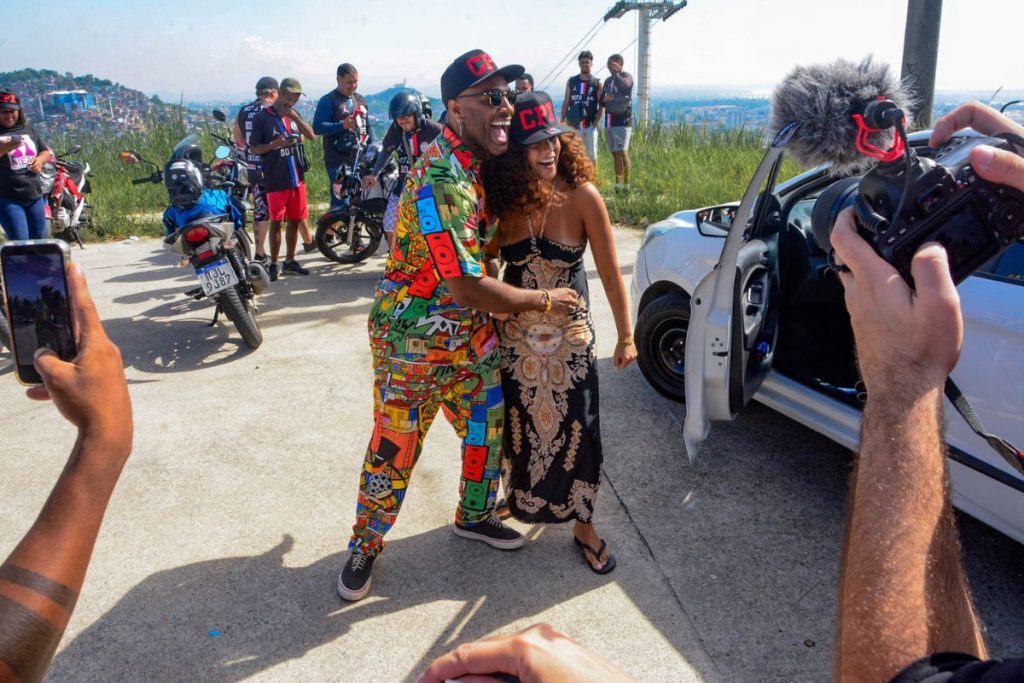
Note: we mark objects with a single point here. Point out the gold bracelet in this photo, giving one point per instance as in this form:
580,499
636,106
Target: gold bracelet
547,300
627,341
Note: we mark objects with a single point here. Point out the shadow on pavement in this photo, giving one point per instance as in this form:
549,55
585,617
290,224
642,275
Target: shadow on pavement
229,619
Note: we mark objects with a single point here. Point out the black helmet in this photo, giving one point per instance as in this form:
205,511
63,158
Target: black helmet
428,113
404,103
184,183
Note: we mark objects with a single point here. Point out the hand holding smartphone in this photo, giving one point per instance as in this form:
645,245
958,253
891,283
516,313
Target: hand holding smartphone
37,303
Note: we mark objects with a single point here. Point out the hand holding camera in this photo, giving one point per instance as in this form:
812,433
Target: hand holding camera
906,201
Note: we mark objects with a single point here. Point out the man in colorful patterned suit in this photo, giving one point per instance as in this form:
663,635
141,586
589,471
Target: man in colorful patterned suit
431,338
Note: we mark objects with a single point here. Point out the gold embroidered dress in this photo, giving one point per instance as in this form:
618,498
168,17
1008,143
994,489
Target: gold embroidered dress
551,455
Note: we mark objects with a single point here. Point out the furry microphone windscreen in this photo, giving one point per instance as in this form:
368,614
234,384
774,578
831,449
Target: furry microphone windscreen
822,98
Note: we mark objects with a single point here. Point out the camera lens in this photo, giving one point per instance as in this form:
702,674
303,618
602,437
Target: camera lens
831,201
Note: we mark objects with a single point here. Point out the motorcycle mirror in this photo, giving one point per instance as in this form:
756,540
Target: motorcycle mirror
222,152
75,149
128,157
219,115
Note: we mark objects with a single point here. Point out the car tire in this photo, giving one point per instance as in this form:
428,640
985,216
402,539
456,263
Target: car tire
661,344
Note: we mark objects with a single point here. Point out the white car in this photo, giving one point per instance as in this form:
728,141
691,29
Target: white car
771,324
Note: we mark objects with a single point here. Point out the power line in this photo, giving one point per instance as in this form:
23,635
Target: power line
590,34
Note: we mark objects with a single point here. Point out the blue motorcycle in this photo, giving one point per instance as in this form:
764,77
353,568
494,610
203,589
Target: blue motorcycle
205,224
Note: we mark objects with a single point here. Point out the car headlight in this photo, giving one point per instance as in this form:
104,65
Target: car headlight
654,231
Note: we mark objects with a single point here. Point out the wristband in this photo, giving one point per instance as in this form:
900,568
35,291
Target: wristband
627,340
547,300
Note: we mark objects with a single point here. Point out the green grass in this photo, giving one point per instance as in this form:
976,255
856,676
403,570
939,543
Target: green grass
674,167
682,167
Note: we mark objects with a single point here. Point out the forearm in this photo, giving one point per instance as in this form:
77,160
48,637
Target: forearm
493,296
322,123
265,148
305,129
615,290
903,593
41,579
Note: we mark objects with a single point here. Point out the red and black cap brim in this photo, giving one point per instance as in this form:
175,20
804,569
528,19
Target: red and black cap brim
542,134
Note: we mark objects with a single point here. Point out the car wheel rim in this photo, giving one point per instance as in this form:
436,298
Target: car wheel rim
671,347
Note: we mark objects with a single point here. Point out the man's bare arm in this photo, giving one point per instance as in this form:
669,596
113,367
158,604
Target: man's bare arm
493,296
902,592
40,580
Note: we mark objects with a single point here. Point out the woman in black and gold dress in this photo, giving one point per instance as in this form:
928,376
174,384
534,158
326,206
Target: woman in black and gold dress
548,211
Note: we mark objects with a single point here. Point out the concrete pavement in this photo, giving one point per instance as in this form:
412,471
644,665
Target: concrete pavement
220,550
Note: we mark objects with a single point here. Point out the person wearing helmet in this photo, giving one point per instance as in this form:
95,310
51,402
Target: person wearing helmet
410,133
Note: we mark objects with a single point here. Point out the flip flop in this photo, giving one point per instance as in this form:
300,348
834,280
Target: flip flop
608,566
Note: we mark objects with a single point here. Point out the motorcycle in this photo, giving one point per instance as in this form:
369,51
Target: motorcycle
65,184
205,224
351,232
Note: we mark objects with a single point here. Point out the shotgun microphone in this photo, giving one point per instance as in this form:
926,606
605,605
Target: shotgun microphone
826,101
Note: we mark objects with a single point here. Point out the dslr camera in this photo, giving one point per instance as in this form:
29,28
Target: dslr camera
903,203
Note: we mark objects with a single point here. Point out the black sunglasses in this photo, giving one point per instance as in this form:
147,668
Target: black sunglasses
494,96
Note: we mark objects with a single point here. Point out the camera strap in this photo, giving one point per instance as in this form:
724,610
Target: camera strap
1007,450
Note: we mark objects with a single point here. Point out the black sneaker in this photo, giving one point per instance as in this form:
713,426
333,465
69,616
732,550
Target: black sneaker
264,259
272,271
492,532
294,267
354,580
309,246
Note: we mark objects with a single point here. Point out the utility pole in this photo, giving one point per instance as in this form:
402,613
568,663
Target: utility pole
647,12
920,55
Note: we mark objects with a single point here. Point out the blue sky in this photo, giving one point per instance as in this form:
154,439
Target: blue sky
208,49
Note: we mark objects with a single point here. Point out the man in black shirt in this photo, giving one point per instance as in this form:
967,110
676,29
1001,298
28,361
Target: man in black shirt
582,103
276,134
342,118
617,100
266,95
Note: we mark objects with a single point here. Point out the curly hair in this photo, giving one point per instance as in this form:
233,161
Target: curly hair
510,185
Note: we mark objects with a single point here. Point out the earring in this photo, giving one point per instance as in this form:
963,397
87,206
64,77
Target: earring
460,128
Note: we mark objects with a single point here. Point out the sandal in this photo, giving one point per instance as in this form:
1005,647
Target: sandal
501,509
609,563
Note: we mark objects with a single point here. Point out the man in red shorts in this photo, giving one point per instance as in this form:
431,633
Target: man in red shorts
276,132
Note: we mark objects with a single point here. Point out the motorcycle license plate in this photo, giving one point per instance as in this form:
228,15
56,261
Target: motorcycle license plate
216,276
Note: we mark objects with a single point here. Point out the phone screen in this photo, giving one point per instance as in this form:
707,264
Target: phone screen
37,304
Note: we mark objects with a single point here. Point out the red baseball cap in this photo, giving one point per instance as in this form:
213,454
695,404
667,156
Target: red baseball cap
471,68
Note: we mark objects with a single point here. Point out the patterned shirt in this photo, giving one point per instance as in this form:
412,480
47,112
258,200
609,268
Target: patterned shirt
438,235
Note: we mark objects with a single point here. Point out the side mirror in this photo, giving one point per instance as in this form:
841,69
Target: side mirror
75,149
716,221
219,115
222,152
128,157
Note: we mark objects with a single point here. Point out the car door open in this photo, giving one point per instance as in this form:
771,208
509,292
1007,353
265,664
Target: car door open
734,310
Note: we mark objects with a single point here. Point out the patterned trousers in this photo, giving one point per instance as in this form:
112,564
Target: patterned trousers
406,399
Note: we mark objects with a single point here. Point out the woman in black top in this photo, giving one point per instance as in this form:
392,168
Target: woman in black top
22,155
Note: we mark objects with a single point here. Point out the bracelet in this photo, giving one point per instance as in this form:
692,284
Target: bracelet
627,341
547,300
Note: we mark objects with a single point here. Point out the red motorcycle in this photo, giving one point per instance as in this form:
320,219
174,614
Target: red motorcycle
65,184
